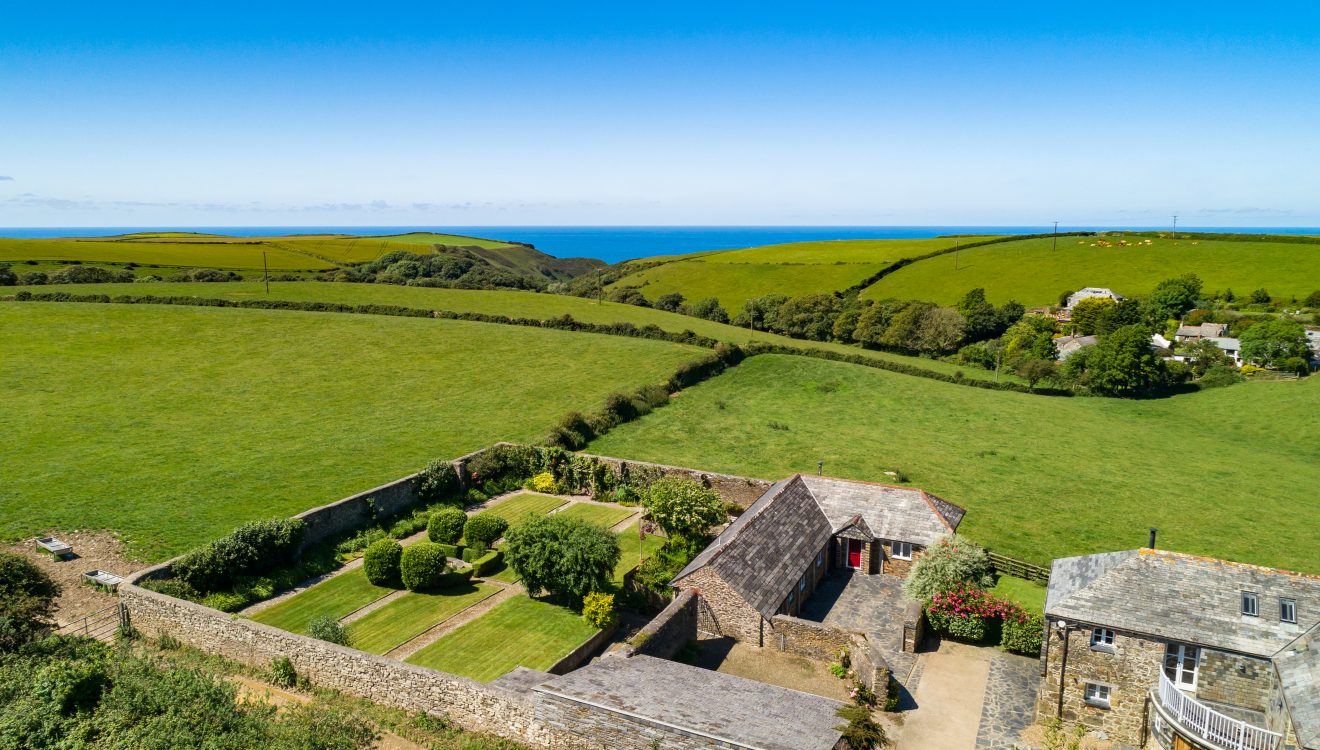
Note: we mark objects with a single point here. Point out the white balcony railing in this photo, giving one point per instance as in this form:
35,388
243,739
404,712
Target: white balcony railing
1208,724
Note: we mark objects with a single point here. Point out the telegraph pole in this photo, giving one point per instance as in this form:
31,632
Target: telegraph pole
1175,226
265,271
1056,235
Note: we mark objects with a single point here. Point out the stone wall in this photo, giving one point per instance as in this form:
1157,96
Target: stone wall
468,703
741,490
870,665
1235,680
1131,670
1276,712
807,638
914,627
670,630
358,510
722,611
583,653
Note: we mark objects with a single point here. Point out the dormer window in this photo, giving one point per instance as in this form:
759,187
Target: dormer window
1288,610
1250,604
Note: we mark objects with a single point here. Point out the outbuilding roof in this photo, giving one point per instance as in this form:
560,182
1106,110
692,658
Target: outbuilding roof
764,552
1180,597
1298,665
714,705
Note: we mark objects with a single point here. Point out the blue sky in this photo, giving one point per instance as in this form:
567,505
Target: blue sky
674,113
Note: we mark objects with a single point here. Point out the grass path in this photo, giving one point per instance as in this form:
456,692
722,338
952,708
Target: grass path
226,415
599,514
519,632
1228,472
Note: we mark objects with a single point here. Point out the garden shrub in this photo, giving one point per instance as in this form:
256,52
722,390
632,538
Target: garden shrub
598,610
27,601
504,461
446,525
487,562
422,566
966,612
454,578
544,482
861,732
359,541
945,564
327,628
684,507
282,673
381,562
406,527
1024,633
251,549
225,601
437,482
561,555
452,550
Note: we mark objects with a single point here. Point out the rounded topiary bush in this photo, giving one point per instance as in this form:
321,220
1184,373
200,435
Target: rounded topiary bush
446,525
422,566
483,529
381,562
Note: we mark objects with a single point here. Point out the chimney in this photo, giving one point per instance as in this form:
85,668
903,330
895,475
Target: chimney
1153,532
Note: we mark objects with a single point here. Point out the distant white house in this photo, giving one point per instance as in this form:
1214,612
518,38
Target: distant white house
1231,347
1203,331
1092,292
1070,345
1159,342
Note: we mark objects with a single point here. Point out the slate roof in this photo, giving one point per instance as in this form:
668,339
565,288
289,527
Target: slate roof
1180,597
764,552
1298,665
1203,331
730,709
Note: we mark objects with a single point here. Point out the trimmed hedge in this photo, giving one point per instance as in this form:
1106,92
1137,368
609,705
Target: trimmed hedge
250,550
446,525
381,562
423,566
452,550
487,562
1024,635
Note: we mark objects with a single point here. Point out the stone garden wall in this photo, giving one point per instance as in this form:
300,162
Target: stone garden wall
741,490
357,511
468,703
670,630
820,642
583,653
914,627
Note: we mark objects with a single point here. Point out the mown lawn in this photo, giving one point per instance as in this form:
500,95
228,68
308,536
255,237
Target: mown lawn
1228,472
516,508
1033,273
338,597
514,304
634,551
519,632
601,515
172,425
412,614
1030,595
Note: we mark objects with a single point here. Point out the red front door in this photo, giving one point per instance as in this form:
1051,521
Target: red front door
854,553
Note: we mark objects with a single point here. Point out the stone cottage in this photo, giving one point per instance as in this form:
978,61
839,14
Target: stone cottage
770,559
1182,652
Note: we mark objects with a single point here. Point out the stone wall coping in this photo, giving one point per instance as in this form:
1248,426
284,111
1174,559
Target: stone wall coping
357,496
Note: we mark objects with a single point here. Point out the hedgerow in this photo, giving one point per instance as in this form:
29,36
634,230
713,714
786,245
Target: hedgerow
251,549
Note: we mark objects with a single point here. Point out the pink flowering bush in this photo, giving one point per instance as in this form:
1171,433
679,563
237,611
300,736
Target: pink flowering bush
966,611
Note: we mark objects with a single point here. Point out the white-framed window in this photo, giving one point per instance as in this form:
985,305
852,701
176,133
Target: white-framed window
1250,604
1097,694
1287,610
1102,639
1180,663
901,550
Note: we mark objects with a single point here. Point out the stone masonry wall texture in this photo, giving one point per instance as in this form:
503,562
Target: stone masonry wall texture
1233,679
1131,671
670,630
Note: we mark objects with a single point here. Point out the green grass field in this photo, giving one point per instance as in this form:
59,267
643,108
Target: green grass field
634,551
516,508
1030,595
514,304
172,425
1227,472
338,597
411,615
431,238
519,632
735,276
1030,272
601,515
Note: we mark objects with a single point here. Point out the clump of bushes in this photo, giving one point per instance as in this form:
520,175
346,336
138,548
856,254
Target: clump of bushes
1024,633
250,550
422,566
482,529
544,482
360,541
437,482
684,507
381,562
282,673
598,610
27,602
969,613
327,628
564,556
446,525
951,561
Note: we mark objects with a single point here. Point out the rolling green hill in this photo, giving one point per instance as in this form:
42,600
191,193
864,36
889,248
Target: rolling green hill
735,276
171,425
1032,273
1228,472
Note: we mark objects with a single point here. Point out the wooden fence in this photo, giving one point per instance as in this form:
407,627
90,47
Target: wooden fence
1019,568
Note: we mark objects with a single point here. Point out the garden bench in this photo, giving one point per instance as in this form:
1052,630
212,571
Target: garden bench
54,546
103,579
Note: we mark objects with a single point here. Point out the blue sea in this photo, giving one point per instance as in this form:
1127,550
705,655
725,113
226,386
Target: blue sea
614,244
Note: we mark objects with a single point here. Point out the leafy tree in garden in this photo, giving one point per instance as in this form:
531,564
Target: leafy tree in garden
1270,342
446,525
1174,297
684,507
564,556
483,529
1202,355
1086,314
710,309
808,317
1261,297
1064,295
982,322
27,601
672,302
757,311
437,481
1121,364
940,330
1128,312
945,564
1008,313
1030,338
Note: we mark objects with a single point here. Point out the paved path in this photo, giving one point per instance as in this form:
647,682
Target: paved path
1010,701
948,697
